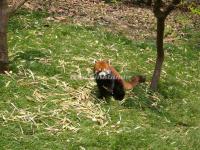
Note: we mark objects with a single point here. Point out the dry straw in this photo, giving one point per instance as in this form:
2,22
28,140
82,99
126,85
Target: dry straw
64,97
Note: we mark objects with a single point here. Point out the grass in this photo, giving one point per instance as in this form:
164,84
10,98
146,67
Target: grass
43,107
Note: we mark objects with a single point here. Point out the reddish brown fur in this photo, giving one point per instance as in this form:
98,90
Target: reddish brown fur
128,85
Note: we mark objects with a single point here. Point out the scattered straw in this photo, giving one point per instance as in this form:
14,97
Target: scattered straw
66,99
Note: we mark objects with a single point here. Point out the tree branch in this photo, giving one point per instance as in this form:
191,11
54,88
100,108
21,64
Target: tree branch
171,7
164,13
156,8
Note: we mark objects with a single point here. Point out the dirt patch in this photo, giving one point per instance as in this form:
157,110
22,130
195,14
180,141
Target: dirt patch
133,21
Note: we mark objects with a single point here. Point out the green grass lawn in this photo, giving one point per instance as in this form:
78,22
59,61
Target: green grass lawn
42,106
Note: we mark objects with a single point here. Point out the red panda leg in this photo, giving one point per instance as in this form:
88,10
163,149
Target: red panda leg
118,91
103,93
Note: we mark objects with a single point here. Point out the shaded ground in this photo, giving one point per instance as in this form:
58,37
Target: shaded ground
133,21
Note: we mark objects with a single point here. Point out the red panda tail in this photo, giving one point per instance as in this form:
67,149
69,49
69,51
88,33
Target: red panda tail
134,81
128,85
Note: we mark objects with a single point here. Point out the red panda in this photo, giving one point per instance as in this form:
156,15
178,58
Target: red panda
110,83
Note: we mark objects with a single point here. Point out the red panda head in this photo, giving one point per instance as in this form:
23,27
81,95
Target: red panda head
102,68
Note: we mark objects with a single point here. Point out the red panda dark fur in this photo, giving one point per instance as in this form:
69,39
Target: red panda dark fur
110,83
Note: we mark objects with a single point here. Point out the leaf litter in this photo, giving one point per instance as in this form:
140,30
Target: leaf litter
134,22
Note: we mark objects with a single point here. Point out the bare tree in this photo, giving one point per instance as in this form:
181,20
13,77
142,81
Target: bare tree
3,36
4,13
161,15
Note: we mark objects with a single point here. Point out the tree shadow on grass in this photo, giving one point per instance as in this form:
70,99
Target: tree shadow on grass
30,60
171,89
32,17
29,55
25,56
155,103
138,98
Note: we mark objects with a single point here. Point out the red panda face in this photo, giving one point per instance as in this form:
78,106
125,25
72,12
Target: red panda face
102,68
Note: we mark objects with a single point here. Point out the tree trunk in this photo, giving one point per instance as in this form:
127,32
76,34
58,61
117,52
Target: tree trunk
160,53
160,13
3,36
